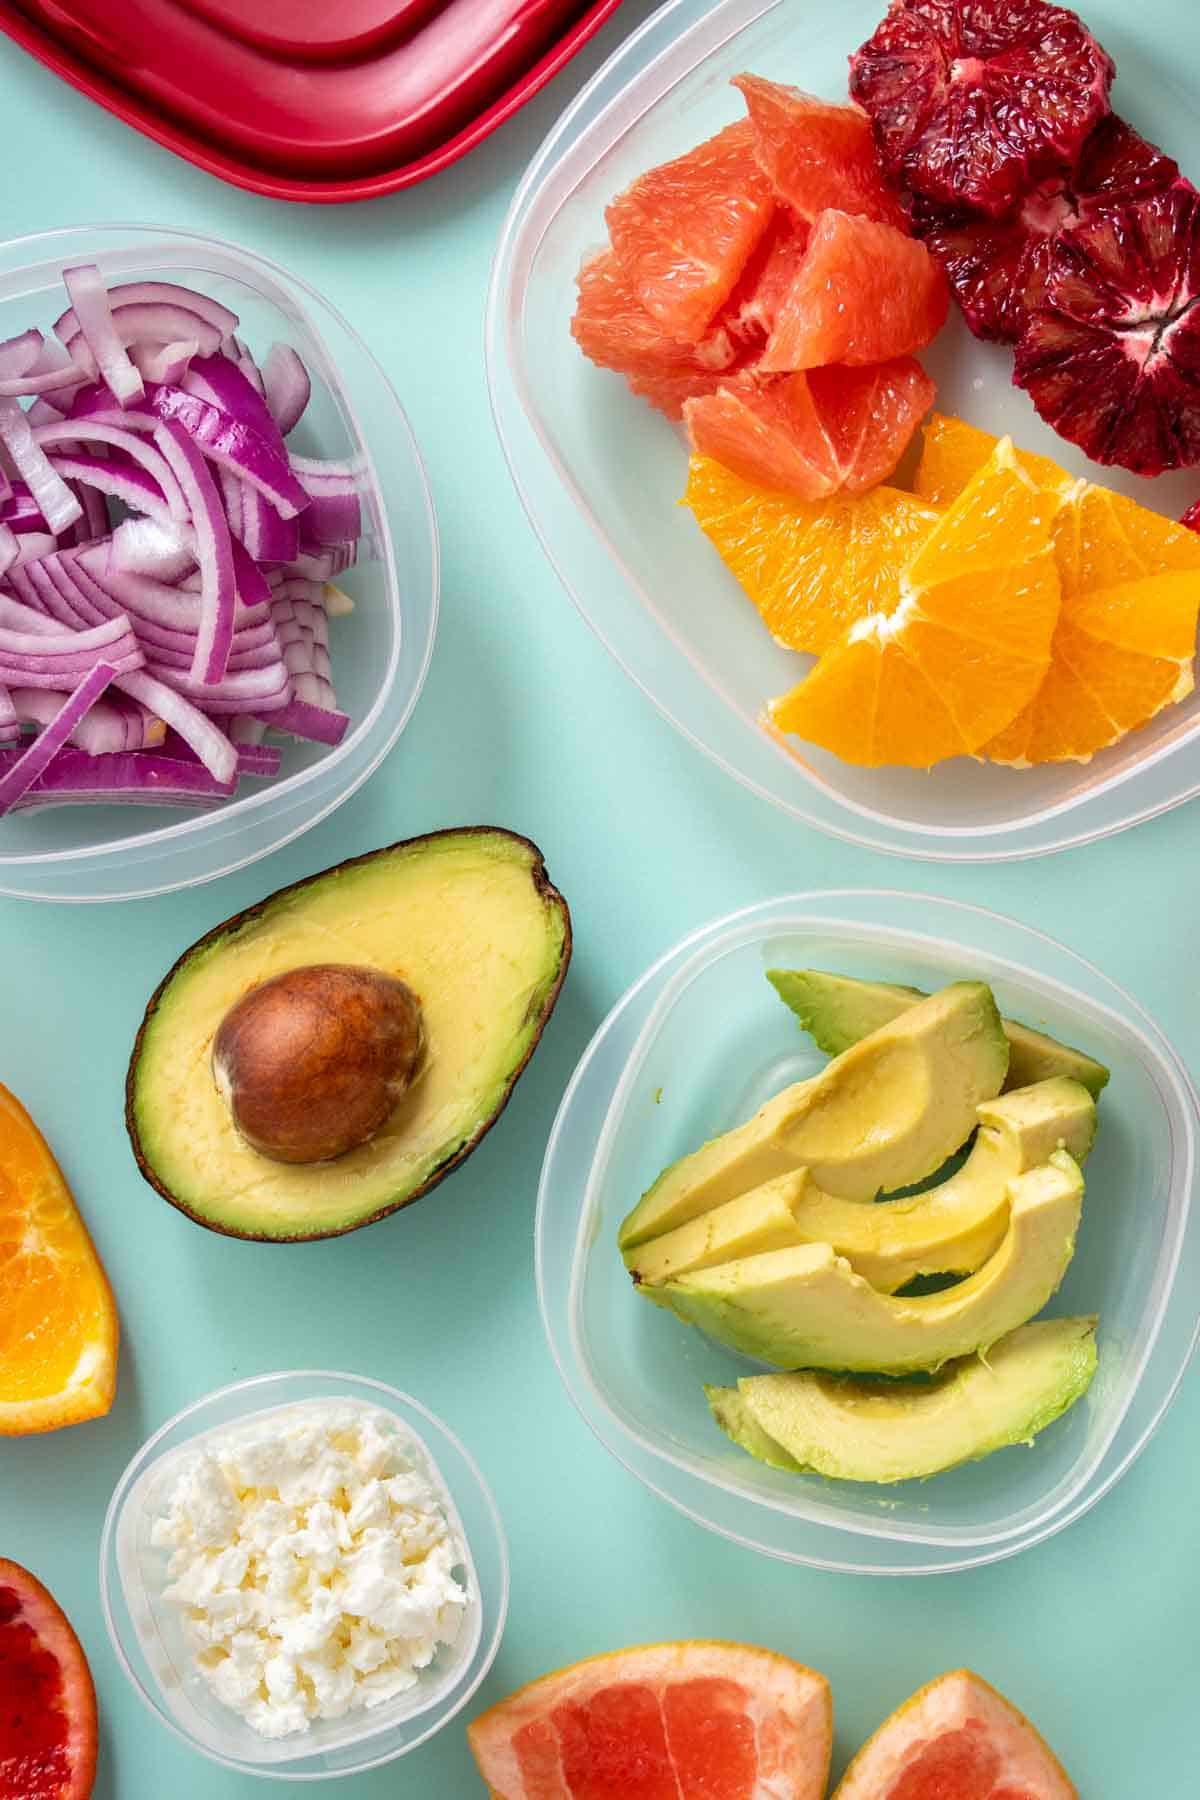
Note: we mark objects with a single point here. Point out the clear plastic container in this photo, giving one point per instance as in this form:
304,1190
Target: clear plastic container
600,473
694,1048
146,1632
380,652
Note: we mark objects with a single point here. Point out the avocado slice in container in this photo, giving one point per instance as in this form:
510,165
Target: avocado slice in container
852,1429
837,1011
468,919
805,1308
917,1079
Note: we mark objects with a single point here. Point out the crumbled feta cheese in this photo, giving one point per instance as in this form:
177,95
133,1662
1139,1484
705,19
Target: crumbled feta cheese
314,1562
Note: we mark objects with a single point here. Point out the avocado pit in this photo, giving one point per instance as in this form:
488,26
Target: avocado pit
312,1062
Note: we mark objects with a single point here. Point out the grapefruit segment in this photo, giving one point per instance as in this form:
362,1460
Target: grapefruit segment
813,434
47,1701
58,1321
683,232
816,154
750,314
956,1739
685,1721
864,293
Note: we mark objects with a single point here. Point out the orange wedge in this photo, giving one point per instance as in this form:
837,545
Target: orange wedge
1125,643
58,1323
683,1721
812,568
959,645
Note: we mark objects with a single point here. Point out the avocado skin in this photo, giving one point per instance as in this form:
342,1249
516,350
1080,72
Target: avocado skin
546,891
837,1010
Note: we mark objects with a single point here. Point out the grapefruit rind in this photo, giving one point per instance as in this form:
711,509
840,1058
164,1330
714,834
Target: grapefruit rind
794,1722
1002,1754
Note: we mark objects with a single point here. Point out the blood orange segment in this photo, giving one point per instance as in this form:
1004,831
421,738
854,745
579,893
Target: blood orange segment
811,569
961,646
613,329
47,1701
812,435
816,154
683,232
1111,358
997,268
58,1322
686,1721
956,1739
1124,645
974,101
864,293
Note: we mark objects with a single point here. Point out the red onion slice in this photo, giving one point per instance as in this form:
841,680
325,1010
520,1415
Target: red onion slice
288,387
66,431
158,293
214,551
89,302
147,777
314,722
29,764
57,503
164,362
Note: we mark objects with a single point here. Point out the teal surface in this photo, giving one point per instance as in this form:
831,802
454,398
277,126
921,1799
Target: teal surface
526,721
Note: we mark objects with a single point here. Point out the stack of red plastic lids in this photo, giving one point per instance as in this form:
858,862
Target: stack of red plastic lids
324,100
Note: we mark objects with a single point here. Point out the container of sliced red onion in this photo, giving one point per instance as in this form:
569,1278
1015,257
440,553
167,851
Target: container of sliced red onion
218,561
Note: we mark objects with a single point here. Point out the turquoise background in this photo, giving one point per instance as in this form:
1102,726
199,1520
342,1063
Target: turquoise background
525,721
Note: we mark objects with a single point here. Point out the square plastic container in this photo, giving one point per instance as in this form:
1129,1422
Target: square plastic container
638,568
147,1633
695,1049
380,652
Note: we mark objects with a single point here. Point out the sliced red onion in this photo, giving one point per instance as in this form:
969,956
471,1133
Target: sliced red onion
113,724
208,740
152,461
231,493
165,362
95,522
10,549
214,551
262,760
29,764
245,690
323,563
127,483
57,503
158,293
253,374
330,519
31,659
144,597
268,538
147,324
223,383
147,777
10,719
34,544
287,384
149,547
247,731
89,302
234,445
303,720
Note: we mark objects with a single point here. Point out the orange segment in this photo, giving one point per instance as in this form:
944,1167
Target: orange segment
685,1721
817,154
1125,642
683,232
960,646
864,292
813,434
58,1323
811,569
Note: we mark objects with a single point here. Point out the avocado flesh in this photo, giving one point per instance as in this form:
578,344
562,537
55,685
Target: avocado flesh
859,1430
466,918
837,1011
951,1229
886,1113
805,1308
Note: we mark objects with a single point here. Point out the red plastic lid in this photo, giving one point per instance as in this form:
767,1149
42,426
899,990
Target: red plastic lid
309,99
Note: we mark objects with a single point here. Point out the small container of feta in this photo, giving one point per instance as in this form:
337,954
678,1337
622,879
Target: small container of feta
304,1575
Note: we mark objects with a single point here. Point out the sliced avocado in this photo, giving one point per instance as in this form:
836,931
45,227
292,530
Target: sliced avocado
763,1219
468,919
852,1429
950,1229
885,1114
732,1412
836,1011
806,1308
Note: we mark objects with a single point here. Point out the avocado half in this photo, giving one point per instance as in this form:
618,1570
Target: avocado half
468,918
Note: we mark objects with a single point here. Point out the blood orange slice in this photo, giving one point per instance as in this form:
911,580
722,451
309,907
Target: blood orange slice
683,232
813,435
974,101
816,154
685,1721
956,1739
47,1701
864,293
